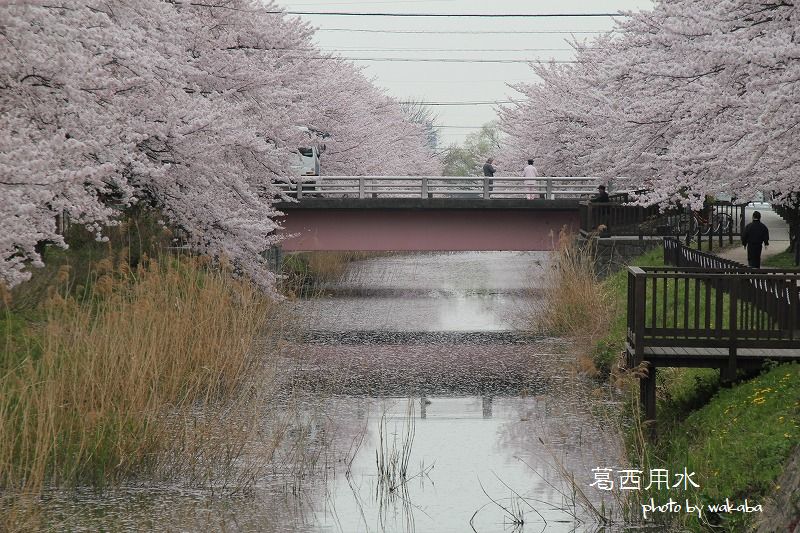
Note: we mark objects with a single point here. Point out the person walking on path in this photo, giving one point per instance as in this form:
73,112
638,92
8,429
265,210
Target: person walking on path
754,236
529,172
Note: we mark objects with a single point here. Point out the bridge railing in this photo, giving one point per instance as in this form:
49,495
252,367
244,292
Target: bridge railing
719,221
443,187
618,217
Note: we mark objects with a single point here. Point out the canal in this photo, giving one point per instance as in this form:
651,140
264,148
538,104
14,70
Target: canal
416,400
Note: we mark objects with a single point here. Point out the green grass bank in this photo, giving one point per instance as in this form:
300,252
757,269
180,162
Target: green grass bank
737,440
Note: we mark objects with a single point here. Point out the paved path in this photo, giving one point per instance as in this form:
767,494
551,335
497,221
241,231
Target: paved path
778,235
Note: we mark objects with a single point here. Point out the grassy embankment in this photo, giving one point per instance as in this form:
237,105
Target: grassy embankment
115,364
736,439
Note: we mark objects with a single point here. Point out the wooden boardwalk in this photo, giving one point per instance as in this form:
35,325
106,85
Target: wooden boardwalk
708,312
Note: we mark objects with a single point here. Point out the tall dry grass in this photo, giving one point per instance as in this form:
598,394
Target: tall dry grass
136,373
574,303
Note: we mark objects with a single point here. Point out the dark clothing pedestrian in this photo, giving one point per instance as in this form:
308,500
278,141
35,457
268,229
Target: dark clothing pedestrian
601,197
488,171
754,237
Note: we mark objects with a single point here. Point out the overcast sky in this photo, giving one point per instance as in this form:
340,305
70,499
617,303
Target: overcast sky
441,81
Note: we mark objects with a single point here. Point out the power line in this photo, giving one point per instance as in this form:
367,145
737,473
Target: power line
444,60
395,2
486,102
450,15
348,49
460,81
465,32
405,59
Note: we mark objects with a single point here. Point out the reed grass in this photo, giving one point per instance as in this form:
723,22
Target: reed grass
393,455
136,367
574,303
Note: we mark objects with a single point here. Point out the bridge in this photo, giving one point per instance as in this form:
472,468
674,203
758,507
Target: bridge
431,213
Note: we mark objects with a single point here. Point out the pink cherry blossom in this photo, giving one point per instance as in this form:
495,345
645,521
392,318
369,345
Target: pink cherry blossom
190,107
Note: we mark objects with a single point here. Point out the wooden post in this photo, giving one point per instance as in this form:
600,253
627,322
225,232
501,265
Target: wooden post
730,232
549,189
361,188
275,258
797,245
795,301
711,235
639,296
699,232
742,219
728,374
486,189
299,188
424,187
796,226
590,223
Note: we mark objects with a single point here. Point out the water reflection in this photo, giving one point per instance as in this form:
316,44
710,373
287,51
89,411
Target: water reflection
477,291
416,360
439,329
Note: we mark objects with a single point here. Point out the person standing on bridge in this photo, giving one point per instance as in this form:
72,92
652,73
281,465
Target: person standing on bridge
488,168
755,234
488,172
602,196
529,172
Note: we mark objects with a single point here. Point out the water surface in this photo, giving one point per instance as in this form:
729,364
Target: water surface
419,356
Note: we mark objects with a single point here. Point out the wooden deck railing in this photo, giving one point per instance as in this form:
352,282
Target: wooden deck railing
728,318
712,308
677,254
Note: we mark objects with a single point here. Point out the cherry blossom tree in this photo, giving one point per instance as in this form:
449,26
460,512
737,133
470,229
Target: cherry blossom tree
369,134
192,108
693,98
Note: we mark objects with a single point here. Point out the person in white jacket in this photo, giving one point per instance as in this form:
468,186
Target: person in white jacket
530,172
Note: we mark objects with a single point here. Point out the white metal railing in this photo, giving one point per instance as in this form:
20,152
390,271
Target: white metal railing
446,187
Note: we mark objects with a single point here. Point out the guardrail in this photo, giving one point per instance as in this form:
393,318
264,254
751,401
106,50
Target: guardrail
720,220
679,255
765,297
617,217
443,187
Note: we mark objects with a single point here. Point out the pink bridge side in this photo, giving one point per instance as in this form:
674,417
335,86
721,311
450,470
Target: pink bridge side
424,230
